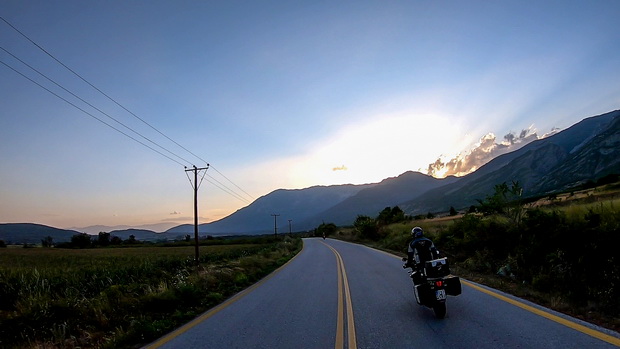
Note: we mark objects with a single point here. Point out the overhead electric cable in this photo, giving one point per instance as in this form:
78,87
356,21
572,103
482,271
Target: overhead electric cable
221,174
94,107
236,196
118,104
98,90
227,189
87,113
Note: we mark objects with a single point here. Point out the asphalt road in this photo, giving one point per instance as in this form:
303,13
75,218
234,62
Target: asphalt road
340,295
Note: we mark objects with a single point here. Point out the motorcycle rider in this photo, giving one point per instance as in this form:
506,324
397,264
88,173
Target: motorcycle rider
420,250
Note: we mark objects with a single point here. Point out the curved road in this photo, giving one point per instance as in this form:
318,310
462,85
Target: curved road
335,294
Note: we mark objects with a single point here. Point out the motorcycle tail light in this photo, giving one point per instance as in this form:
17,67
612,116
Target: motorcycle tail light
438,283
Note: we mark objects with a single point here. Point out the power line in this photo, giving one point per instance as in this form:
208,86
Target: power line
87,113
230,191
98,90
92,106
246,193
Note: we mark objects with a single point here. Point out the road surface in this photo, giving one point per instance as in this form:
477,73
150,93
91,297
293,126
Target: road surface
335,294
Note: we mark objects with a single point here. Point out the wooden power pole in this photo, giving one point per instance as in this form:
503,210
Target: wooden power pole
290,230
195,186
275,224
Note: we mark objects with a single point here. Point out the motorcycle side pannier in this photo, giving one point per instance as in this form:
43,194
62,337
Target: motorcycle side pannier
453,285
423,294
437,268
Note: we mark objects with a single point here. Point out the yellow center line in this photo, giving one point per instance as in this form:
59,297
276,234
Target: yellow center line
583,329
343,283
568,323
340,321
350,318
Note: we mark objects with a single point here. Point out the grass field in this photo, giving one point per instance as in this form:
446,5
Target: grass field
121,297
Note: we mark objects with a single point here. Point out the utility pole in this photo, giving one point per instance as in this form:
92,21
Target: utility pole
196,185
290,232
275,224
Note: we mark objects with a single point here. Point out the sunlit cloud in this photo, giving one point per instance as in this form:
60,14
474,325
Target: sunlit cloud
484,151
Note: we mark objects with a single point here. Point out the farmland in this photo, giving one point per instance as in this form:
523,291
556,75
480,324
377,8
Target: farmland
121,297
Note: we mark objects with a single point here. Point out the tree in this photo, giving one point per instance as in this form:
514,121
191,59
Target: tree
48,241
81,240
116,240
390,215
325,229
506,200
453,211
366,227
2,244
103,239
132,240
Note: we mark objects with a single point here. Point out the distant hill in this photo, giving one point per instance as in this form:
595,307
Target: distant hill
295,204
140,234
370,201
20,233
96,229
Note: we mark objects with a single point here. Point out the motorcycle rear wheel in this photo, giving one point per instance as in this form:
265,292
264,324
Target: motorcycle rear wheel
440,310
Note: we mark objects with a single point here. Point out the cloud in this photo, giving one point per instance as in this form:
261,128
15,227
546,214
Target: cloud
484,151
552,132
341,168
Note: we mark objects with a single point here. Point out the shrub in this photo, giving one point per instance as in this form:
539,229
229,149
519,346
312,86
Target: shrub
366,227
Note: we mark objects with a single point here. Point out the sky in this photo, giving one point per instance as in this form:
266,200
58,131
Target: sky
277,94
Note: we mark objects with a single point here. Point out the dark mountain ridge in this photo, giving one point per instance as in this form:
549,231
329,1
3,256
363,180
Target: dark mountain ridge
30,233
370,201
586,151
294,204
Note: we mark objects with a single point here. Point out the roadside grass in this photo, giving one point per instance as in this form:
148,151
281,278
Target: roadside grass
122,297
562,256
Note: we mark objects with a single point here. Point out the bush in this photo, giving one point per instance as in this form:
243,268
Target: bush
366,227
573,255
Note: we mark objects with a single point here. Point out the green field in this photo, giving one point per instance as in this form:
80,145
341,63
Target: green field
121,297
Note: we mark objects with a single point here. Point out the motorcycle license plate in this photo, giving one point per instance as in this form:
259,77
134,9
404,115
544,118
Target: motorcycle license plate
440,294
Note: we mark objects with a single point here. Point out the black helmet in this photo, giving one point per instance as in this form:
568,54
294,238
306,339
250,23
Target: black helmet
417,232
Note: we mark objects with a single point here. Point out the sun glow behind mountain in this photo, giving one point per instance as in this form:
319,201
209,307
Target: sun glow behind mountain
382,147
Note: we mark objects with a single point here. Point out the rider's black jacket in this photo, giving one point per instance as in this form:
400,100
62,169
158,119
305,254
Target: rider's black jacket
421,250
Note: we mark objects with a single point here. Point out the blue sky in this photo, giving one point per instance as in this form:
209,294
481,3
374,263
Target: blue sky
278,94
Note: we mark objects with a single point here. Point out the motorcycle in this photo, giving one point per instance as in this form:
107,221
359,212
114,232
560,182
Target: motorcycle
432,283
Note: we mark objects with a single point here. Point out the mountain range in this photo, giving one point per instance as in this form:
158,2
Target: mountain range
584,152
